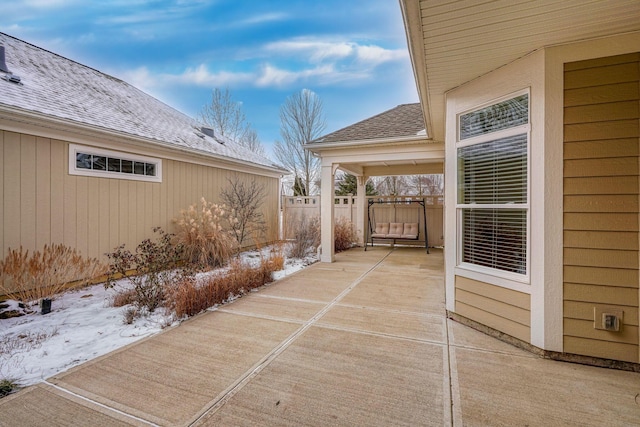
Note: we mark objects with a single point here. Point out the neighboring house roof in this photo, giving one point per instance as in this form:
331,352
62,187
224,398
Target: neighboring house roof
402,121
57,87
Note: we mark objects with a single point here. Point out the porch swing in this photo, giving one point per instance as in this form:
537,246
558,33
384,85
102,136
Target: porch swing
393,231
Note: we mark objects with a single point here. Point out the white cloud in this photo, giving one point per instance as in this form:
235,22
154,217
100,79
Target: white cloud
260,19
375,55
48,4
199,76
318,51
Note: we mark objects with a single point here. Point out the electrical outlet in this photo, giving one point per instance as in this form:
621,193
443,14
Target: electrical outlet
607,318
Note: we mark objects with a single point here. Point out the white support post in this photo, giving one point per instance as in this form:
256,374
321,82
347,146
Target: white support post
361,208
327,213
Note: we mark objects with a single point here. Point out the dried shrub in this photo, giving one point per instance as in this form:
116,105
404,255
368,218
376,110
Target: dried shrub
42,274
277,257
190,297
124,297
148,269
306,235
345,234
201,232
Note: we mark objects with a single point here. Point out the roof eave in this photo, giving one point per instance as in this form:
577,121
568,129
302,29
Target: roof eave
317,147
27,117
411,16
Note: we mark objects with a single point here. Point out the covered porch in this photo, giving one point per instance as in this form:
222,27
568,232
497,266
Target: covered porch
391,143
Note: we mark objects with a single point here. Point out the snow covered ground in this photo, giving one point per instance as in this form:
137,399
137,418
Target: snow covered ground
81,326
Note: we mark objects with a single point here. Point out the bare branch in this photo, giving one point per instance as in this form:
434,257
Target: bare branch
301,121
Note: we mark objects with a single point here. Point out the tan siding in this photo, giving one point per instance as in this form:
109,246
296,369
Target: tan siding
601,185
584,311
11,159
27,190
2,203
43,192
603,349
58,173
625,240
601,204
41,203
502,309
601,167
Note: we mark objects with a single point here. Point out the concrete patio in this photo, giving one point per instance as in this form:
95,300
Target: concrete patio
362,341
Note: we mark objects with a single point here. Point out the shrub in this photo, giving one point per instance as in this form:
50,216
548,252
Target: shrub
7,386
201,233
344,234
306,235
190,297
43,274
152,262
245,201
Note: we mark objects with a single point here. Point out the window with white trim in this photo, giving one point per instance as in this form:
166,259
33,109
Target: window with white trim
493,187
91,161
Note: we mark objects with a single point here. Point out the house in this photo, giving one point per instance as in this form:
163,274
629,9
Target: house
536,106
92,162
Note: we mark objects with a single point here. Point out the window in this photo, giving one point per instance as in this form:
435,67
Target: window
90,161
493,196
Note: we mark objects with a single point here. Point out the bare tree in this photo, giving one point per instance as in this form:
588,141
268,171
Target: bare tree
225,116
301,121
245,201
392,185
426,185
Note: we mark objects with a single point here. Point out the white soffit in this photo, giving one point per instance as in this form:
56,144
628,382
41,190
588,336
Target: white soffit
459,40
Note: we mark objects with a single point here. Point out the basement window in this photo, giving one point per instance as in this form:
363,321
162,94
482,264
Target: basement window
96,162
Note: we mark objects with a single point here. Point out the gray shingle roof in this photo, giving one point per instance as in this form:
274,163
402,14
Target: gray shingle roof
403,120
58,87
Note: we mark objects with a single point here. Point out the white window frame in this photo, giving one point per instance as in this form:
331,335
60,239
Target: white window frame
75,149
479,272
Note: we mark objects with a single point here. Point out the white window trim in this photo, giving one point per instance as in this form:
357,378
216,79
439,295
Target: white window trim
506,279
85,149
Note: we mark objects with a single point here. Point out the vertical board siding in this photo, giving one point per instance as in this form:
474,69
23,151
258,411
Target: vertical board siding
499,308
601,204
42,204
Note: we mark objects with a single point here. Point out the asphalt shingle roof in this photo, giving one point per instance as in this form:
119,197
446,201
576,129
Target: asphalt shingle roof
403,120
61,88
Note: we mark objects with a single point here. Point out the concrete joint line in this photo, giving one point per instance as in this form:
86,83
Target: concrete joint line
380,334
109,408
454,385
244,379
261,316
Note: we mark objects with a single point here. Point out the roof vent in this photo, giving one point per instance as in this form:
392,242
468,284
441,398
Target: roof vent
3,64
212,134
9,76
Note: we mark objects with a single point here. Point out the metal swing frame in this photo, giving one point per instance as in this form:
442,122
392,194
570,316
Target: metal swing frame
371,219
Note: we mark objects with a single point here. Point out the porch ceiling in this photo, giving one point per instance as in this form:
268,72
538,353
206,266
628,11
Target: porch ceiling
453,42
409,156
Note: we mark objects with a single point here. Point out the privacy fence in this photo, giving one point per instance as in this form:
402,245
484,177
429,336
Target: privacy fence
295,208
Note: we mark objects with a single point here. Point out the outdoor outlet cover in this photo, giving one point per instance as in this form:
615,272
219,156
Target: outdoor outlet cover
607,319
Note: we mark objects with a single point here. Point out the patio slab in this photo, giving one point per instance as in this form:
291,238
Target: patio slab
171,377
362,341
320,380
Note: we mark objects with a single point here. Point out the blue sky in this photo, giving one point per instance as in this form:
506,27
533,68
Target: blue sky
352,53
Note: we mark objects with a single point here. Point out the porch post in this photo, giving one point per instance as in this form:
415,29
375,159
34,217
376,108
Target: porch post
327,213
361,208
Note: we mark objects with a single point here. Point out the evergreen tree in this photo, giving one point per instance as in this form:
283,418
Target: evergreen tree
349,184
299,188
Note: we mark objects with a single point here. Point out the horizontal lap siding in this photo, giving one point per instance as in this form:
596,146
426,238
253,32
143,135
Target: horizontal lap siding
42,204
499,308
601,204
